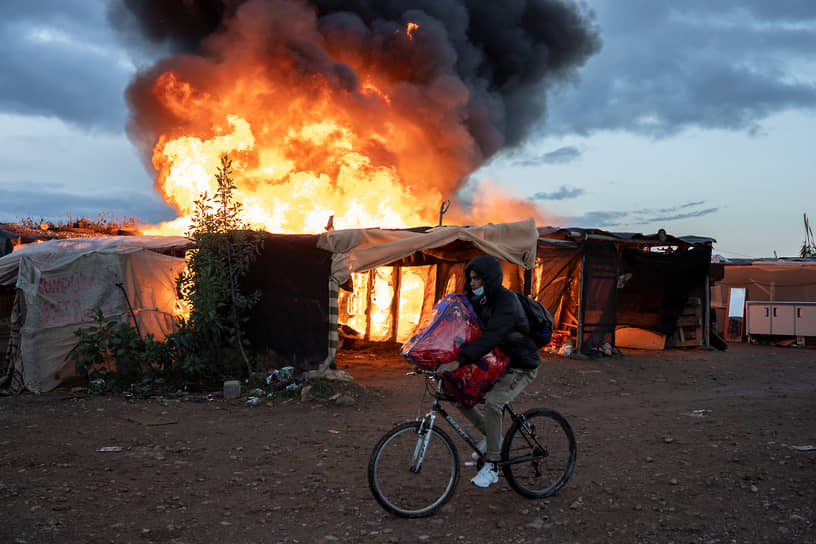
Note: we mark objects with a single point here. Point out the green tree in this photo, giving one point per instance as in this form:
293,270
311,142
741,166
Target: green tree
210,343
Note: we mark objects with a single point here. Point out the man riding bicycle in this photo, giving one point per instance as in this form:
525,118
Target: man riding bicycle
505,327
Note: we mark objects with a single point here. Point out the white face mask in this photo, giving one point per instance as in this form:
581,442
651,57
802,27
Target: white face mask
479,291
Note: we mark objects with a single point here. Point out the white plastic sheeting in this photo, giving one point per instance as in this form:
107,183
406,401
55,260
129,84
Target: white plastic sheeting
357,250
64,282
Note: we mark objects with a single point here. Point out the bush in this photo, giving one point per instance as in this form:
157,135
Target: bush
210,343
208,346
112,353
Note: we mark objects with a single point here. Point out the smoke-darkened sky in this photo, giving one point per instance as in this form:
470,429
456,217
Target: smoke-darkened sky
507,54
692,116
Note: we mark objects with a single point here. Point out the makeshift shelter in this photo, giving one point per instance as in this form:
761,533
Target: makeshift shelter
600,285
6,246
60,284
383,283
371,284
789,282
390,281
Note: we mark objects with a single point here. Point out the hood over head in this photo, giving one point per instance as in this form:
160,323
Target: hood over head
490,270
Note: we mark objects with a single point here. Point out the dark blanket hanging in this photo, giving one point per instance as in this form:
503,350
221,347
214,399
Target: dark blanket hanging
289,326
659,285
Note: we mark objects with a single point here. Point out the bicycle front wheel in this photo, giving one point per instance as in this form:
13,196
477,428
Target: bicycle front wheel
405,485
539,453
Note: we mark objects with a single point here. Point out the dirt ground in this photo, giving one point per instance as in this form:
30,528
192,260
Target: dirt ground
675,446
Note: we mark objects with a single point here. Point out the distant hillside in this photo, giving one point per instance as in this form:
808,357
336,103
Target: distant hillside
29,231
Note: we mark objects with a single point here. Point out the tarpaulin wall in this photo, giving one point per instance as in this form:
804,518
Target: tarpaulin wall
56,299
599,281
290,325
656,286
556,284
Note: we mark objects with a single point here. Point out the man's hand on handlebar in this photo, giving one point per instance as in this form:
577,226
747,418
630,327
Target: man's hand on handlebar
447,367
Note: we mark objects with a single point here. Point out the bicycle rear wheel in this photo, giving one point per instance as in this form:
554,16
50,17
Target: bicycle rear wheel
413,493
539,452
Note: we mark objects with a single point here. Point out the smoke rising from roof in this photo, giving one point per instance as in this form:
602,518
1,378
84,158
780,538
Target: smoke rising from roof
506,54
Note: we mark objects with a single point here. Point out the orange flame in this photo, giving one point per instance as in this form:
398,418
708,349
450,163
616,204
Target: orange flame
410,29
316,126
353,141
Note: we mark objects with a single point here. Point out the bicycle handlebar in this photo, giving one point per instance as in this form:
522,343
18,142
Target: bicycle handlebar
418,370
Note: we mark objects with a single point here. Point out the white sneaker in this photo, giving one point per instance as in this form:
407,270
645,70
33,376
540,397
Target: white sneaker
487,476
482,448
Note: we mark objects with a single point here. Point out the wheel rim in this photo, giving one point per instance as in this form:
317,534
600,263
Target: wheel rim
404,491
540,466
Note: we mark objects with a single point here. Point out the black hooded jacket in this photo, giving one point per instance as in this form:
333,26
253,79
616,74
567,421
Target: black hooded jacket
505,324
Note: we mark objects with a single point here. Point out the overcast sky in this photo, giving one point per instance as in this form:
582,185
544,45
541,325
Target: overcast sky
698,117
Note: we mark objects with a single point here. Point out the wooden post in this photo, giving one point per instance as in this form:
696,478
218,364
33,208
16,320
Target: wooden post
528,281
395,300
707,312
579,336
369,296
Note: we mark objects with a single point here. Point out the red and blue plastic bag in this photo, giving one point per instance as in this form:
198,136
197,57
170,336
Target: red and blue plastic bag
452,324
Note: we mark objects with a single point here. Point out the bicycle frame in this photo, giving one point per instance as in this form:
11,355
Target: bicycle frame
429,419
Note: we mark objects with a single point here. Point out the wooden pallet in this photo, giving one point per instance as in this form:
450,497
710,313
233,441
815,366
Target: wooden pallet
689,331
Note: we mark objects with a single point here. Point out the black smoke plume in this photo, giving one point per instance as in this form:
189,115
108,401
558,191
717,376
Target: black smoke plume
506,52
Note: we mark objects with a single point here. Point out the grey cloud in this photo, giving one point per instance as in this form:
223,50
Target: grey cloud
680,207
671,214
599,219
53,205
563,193
559,156
763,10
667,67
607,219
678,216
60,60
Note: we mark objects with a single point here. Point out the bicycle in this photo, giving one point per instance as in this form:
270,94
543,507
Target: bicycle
414,468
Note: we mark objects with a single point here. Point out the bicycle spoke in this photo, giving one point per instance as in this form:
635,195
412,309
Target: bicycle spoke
540,454
397,484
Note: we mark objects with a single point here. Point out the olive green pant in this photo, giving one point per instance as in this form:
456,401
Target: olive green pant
506,388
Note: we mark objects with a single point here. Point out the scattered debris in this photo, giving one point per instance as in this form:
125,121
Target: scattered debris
330,374
149,419
345,400
699,413
232,389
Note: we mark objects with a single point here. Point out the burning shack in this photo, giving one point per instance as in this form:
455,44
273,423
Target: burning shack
375,284
602,287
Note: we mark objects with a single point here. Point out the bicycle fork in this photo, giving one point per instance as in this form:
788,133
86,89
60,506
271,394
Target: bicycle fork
423,437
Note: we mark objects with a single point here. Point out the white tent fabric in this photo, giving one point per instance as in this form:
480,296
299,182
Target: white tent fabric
57,252
64,282
358,250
